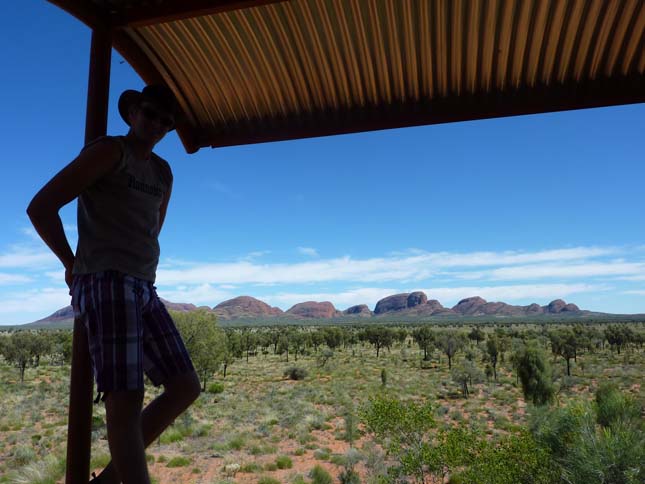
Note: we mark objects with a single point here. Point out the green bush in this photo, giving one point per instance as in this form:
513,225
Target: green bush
613,408
349,476
295,373
236,443
215,388
251,467
178,462
284,462
322,454
516,459
268,480
171,435
319,475
586,452
23,455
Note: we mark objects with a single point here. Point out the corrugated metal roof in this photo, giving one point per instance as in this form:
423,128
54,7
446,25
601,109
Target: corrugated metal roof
298,68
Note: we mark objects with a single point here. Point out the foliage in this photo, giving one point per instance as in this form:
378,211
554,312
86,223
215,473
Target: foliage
205,342
284,462
216,388
379,337
466,373
492,351
449,343
535,375
319,475
515,459
604,443
295,373
424,337
178,462
476,335
22,349
613,407
401,427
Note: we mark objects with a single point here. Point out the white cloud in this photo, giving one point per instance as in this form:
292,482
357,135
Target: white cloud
34,304
414,267
255,255
638,292
567,271
341,269
7,279
27,258
527,292
203,294
308,251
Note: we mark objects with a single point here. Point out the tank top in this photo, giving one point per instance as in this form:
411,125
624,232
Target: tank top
118,217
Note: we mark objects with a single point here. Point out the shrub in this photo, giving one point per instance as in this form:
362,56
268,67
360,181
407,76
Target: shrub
319,475
284,462
23,455
178,462
215,388
612,407
295,373
322,454
171,435
236,443
251,467
349,476
268,480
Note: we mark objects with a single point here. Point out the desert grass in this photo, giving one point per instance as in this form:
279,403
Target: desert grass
264,427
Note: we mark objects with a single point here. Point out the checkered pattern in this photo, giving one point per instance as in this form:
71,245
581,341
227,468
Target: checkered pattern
129,331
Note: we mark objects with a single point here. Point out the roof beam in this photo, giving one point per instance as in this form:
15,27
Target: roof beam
537,100
171,10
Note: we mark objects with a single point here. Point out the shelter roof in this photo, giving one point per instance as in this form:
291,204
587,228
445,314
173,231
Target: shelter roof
248,71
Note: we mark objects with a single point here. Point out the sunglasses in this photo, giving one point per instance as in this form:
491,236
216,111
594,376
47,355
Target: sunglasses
152,114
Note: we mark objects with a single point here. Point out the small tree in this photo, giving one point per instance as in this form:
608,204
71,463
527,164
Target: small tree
233,349
535,375
20,350
424,337
379,337
449,343
476,335
401,427
492,351
205,342
466,374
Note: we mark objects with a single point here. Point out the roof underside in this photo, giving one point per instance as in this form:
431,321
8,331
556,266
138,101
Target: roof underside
255,71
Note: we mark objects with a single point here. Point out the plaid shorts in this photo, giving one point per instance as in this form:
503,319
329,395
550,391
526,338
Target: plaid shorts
129,331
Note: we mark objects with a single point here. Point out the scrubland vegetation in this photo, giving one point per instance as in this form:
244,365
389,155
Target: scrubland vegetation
420,403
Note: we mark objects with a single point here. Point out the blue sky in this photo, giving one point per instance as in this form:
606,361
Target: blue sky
523,209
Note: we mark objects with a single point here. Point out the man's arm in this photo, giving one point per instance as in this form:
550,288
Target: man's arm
164,206
90,165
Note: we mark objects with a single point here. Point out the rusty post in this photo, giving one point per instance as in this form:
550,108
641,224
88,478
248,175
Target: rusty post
79,425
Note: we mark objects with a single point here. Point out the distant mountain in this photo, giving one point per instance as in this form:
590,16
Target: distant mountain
245,307
406,305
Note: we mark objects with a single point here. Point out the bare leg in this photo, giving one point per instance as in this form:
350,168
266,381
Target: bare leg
178,394
123,415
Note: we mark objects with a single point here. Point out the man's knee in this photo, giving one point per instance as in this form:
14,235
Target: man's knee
123,406
185,386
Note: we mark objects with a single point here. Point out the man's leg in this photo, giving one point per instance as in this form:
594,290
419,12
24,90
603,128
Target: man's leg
179,393
123,416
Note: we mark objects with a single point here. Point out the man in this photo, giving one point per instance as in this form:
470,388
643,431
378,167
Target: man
123,190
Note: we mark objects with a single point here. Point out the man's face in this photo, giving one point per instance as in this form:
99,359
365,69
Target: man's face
150,122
